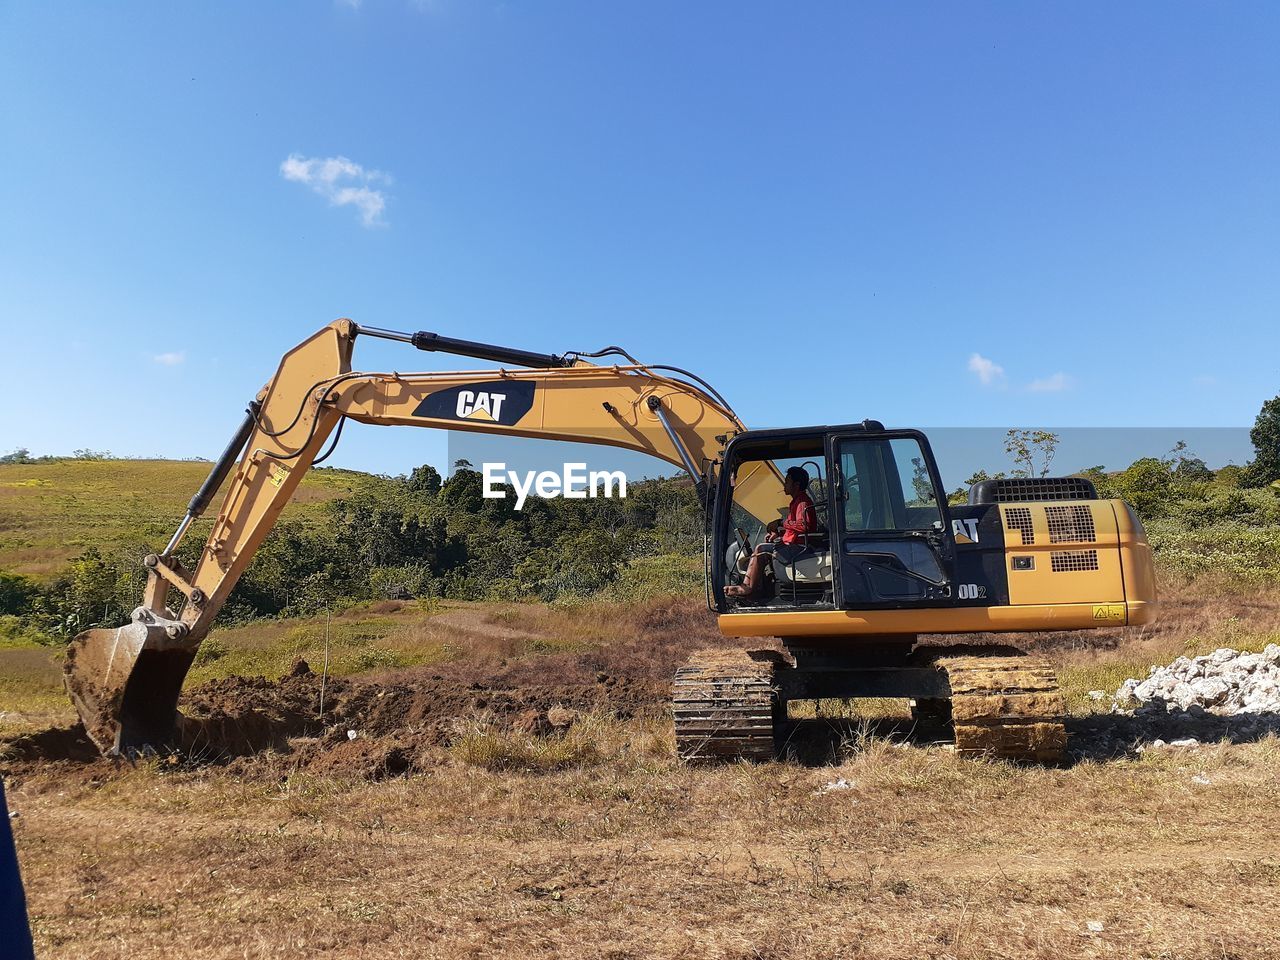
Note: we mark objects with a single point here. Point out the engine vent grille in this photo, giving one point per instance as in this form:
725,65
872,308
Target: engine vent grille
1019,518
1071,561
1024,489
1071,525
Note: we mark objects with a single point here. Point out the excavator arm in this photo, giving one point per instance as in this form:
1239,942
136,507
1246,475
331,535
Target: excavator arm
125,682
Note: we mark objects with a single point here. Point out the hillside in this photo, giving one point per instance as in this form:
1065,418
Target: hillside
53,510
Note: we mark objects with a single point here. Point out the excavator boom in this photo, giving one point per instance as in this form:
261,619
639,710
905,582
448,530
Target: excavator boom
125,682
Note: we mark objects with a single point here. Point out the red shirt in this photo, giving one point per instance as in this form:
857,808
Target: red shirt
801,518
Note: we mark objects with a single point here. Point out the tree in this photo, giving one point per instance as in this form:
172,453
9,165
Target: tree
424,479
1187,466
979,475
921,484
463,492
1232,475
1264,468
20,455
1028,446
960,495
93,589
582,563
16,593
1147,484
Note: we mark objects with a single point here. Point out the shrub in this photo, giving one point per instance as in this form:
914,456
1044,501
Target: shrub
15,631
16,594
1230,550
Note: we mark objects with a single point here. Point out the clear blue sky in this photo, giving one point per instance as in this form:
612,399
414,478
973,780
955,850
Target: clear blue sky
1078,204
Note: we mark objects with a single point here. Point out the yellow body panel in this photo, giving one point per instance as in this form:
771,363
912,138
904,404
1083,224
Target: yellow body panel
1136,563
1075,562
1071,565
835,623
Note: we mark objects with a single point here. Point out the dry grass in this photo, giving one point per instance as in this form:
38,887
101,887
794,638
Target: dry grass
359,640
598,843
638,856
1197,617
31,692
591,741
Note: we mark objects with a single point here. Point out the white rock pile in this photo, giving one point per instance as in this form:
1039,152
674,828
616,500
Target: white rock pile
1226,683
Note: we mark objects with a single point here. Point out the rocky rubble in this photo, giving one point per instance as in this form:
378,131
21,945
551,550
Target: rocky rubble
1225,683
1226,696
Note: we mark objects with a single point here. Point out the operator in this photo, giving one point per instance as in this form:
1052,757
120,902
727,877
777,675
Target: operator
783,539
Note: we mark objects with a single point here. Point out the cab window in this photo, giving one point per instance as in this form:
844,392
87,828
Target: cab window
885,485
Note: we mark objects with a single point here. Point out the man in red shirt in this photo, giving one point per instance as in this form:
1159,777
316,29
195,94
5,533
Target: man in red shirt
784,539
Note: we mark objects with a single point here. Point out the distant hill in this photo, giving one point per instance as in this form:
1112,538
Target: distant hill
53,510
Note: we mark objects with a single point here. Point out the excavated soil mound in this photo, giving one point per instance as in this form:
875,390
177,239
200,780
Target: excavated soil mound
371,727
55,744
384,724
242,716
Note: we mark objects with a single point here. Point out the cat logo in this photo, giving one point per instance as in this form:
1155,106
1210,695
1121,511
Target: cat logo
502,402
478,405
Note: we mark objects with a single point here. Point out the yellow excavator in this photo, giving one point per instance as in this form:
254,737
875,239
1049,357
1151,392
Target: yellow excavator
887,560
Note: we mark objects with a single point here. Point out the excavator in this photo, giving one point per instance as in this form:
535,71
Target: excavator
889,559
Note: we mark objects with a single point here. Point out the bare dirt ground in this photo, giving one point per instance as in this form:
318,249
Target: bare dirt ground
460,823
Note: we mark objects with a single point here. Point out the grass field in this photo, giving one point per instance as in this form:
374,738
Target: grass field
52,511
1198,618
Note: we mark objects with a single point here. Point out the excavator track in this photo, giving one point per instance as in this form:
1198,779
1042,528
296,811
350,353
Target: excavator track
724,702
1007,707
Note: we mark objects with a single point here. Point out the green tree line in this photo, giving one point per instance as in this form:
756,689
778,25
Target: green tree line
425,536
406,537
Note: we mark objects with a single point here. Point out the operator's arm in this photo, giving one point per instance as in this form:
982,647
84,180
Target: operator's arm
803,520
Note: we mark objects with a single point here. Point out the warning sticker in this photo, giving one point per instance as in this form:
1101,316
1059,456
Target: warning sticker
1111,612
278,472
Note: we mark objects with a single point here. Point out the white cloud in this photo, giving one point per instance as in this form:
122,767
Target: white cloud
988,371
1051,384
342,182
170,359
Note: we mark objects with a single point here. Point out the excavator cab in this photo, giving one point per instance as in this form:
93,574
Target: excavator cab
843,618
884,537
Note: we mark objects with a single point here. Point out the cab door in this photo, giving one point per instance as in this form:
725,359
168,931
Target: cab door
892,542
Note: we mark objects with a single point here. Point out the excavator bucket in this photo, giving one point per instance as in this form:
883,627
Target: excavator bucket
124,683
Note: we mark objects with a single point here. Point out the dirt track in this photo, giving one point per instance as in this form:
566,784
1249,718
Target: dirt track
922,855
